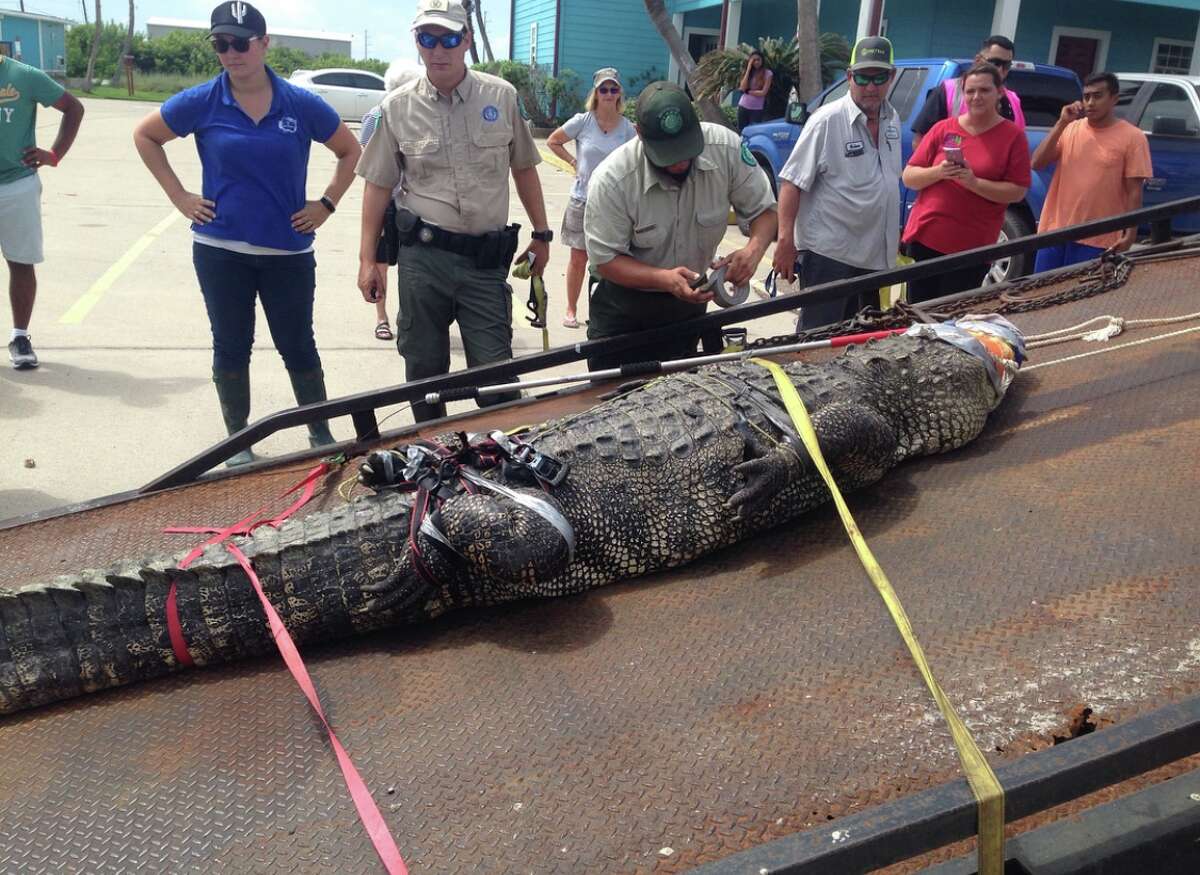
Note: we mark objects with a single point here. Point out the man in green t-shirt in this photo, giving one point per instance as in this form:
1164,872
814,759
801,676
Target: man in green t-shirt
22,88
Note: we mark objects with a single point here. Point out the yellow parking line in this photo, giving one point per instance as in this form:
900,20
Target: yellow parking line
92,296
553,160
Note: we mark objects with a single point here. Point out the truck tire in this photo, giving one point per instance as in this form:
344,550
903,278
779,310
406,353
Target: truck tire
1016,224
767,169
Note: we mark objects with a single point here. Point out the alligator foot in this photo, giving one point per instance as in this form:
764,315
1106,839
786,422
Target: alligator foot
766,472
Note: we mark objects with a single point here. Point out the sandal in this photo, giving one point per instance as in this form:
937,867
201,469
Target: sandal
383,331
569,322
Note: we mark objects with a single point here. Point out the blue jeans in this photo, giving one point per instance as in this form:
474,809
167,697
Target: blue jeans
1064,254
286,284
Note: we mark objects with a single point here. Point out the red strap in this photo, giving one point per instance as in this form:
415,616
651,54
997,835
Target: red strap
242,527
368,812
848,339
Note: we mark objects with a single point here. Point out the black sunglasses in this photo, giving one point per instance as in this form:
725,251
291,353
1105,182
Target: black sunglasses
876,79
1002,63
240,44
606,89
448,40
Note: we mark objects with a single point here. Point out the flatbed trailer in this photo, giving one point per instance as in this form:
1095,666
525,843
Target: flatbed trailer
753,711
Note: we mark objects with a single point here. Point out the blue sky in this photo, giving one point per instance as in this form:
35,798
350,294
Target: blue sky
386,24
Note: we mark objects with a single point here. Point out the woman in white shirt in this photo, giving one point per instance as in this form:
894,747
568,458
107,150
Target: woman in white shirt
596,133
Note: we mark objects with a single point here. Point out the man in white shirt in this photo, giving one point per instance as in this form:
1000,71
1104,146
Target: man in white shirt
839,192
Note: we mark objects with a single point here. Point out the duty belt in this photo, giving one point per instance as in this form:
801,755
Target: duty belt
492,249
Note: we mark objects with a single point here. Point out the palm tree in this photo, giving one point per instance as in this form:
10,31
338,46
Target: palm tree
657,11
808,66
91,67
722,69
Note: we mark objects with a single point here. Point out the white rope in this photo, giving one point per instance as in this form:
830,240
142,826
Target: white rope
1111,327
1084,355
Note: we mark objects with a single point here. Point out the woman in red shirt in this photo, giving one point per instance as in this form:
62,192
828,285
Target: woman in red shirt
967,170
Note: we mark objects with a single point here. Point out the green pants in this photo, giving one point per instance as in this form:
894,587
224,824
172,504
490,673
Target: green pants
437,288
614,309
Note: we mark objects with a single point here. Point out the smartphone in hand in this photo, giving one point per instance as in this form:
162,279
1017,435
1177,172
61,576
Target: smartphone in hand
954,155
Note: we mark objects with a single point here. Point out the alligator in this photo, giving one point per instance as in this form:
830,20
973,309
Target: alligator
658,476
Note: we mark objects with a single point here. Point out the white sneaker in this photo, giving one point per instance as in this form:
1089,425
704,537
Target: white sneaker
21,354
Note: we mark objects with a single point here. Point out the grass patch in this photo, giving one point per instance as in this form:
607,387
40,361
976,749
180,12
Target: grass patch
155,87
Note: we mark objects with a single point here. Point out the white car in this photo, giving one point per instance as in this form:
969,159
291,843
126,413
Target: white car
352,93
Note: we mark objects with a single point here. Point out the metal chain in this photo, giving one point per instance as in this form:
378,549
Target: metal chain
1015,296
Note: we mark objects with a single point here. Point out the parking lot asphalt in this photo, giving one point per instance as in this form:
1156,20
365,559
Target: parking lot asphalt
124,393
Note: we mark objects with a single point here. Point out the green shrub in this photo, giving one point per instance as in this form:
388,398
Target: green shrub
546,100
112,39
185,54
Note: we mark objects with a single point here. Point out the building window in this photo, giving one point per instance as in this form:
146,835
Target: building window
533,44
1171,56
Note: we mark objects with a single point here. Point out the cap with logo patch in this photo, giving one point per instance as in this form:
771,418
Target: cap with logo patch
871,53
236,18
450,14
605,74
668,124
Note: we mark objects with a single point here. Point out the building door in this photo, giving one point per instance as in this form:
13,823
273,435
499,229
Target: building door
699,41
700,44
1077,53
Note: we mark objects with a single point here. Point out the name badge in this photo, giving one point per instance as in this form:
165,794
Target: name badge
855,148
892,132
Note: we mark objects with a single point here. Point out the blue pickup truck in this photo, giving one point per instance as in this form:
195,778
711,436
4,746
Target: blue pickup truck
1043,89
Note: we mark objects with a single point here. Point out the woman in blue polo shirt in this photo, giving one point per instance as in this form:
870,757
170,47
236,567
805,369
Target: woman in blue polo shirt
253,226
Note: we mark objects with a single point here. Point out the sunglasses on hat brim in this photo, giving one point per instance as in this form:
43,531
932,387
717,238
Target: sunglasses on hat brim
429,40
240,44
871,78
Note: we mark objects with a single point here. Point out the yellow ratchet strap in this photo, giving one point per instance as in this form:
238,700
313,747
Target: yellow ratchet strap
988,792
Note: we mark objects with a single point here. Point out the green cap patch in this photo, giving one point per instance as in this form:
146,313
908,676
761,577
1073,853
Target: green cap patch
671,121
668,126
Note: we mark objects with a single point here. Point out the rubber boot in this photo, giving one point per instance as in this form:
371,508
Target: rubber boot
233,392
309,388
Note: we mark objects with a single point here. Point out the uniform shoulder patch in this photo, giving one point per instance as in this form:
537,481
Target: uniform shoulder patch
747,158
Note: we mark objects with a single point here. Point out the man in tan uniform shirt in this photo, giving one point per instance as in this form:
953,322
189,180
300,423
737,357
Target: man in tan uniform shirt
656,210
454,136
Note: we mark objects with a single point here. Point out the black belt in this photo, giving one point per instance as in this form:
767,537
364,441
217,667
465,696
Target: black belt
491,250
450,241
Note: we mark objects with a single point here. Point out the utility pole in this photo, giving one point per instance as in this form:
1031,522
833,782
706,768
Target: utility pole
83,3
366,54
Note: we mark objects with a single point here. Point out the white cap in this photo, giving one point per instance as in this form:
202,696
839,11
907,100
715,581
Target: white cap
450,14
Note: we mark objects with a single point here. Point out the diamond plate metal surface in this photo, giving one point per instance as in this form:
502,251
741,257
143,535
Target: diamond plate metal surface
759,691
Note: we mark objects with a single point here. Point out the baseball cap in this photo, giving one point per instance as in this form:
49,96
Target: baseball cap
669,127
450,14
605,74
871,53
236,18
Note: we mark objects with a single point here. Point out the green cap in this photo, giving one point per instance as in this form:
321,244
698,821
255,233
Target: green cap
667,122
871,53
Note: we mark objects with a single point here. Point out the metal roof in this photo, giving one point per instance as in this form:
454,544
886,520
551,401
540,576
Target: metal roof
271,31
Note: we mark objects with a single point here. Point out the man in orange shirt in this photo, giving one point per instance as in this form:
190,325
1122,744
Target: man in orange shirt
1103,162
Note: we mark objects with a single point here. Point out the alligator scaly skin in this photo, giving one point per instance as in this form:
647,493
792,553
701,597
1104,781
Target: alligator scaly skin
659,476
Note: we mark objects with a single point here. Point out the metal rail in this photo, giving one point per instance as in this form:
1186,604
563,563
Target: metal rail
899,830
361,407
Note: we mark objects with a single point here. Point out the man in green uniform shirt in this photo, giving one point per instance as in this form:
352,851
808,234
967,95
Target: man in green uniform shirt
656,210
22,88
